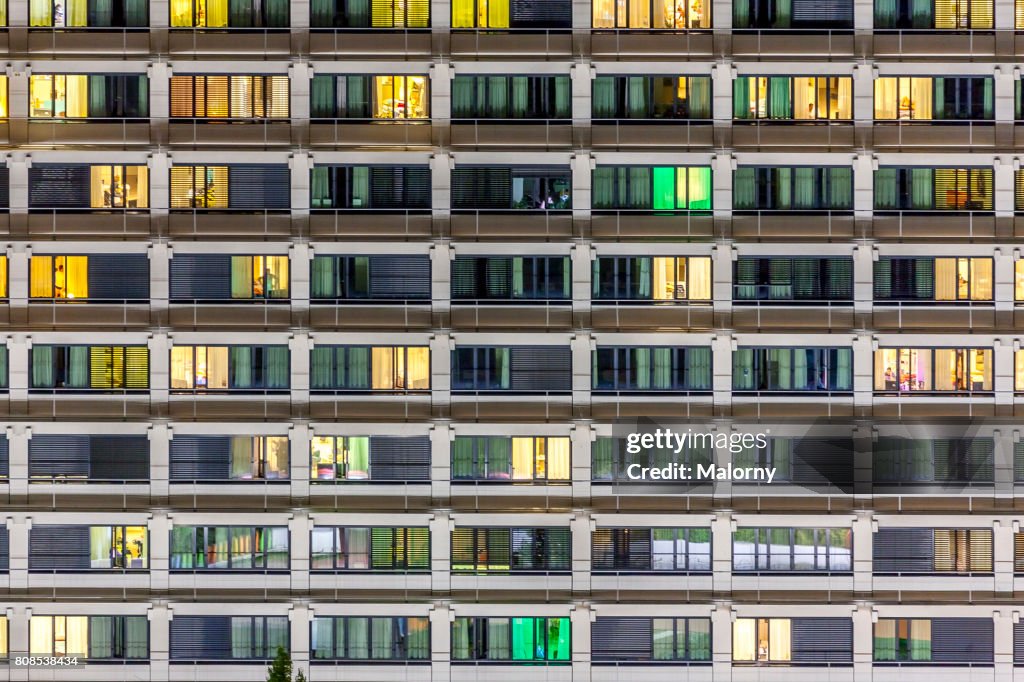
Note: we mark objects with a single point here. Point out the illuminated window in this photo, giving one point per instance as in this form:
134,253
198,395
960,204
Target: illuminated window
934,189
229,548
480,14
88,637
793,98
118,547
1018,374
259,277
361,368
933,369
643,278
651,97
360,14
4,636
3,93
91,13
370,97
934,14
962,98
497,458
377,458
375,549
657,14
380,638
3,276
761,640
485,550
89,368
229,368
59,277
903,639
229,97
234,14
658,188
199,187
933,279
259,458
515,640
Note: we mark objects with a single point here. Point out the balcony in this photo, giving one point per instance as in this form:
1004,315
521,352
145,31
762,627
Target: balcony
125,131
234,42
940,225
371,496
933,317
511,314
524,585
641,224
77,494
331,42
653,133
369,586
86,224
932,134
371,405
626,315
199,132
369,314
504,407
59,313
229,495
511,133
658,44
606,405
88,41
823,44
370,224
793,134
648,586
49,404
70,585
237,584
226,405
511,43
369,133
504,495
770,315
511,224
255,314
939,44
782,225
792,405
227,224
926,405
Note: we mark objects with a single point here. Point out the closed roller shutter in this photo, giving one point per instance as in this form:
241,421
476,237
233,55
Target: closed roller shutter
962,640
823,461
200,277
464,281
621,549
1018,642
838,275
200,638
898,550
822,13
58,548
883,279
5,550
399,458
621,639
53,455
822,640
136,373
482,188
393,187
541,14
58,186
259,187
5,190
122,276
5,457
400,276
119,458
964,460
200,458
1018,461
541,368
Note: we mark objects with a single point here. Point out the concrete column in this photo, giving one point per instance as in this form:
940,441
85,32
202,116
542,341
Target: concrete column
440,369
1003,182
581,257
299,75
159,368
441,14
159,183
300,165
18,350
721,94
1003,644
159,13
1004,281
18,436
441,437
582,77
1005,84
299,528
1003,464
159,550
299,257
581,441
299,346
721,380
159,641
18,169
722,257
1003,371
721,180
580,619
582,170
721,642
18,530
440,550
298,449
441,183
582,346
159,74
1002,555
721,551
863,94
441,92
864,278
863,547
441,256
863,186
159,459
581,528
17,93
299,618
863,642
863,16
441,618
863,371
159,277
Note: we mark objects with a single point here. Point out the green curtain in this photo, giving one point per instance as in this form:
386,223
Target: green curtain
741,98
642,363
922,14
780,100
320,187
988,101
803,188
463,100
502,359
939,100
357,98
922,195
497,96
602,459
520,105
636,97
241,637
920,647
663,368
741,14
322,97
78,367
382,637
240,364
517,277
463,463
842,374
887,188
324,277
603,187
136,637
604,97
783,187
640,195
698,368
320,367
358,637
40,13
240,13
664,188
885,13
499,456
699,97
358,13
644,285
278,375
276,13
101,644
743,369
840,188
241,458
95,13
241,276
563,97
321,13
358,367
783,13
136,13
361,187
98,97
744,190
42,367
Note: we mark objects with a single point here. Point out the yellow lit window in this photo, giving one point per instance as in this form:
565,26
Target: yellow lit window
259,277
3,637
480,14
903,99
659,14
3,277
400,97
119,187
963,279
229,97
4,111
761,640
397,368
401,13
64,277
963,551
59,636
199,367
190,13
1018,374
957,14
55,96
540,459
1018,280
1018,14
199,187
682,279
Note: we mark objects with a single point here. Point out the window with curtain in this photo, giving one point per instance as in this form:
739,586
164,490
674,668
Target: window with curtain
644,550
88,13
4,278
229,548
780,278
902,639
521,278
776,454
792,550
656,279
793,188
92,96
229,14
651,14
379,638
199,187
953,15
258,637
652,188
379,278
238,97
933,279
651,369
804,370
923,460
95,638
259,458
934,189
516,640
340,458
516,459
938,370
503,97
903,98
481,369
797,98
370,549
378,14
59,277
89,368
761,640
364,368
370,97
610,458
118,547
538,188
651,97
259,277
200,369
514,14
785,14
505,550
391,188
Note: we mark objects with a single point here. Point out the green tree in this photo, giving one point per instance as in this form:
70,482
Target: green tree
281,669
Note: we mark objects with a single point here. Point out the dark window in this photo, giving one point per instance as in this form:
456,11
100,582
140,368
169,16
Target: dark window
906,641
379,279
88,458
651,550
513,640
799,188
390,188
651,640
370,638
793,279
934,189
98,14
511,278
933,14
651,369
383,14
385,459
226,638
526,369
511,97
803,14
515,550
651,97
946,460
611,458
229,458
516,188
811,370
234,14
913,551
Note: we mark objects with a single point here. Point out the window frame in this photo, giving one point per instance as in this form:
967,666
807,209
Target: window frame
397,390
403,546
898,660
766,660
87,26
204,530
905,90
764,281
259,356
479,647
373,85
535,285
759,116
767,536
766,199
398,624
541,98
620,21
969,281
623,360
931,351
118,639
61,365
622,551
258,9
372,24
487,538
904,198
622,180
631,264
903,19
620,460
260,97
761,370
483,473
621,87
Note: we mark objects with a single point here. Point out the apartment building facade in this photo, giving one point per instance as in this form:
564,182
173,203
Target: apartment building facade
323,322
